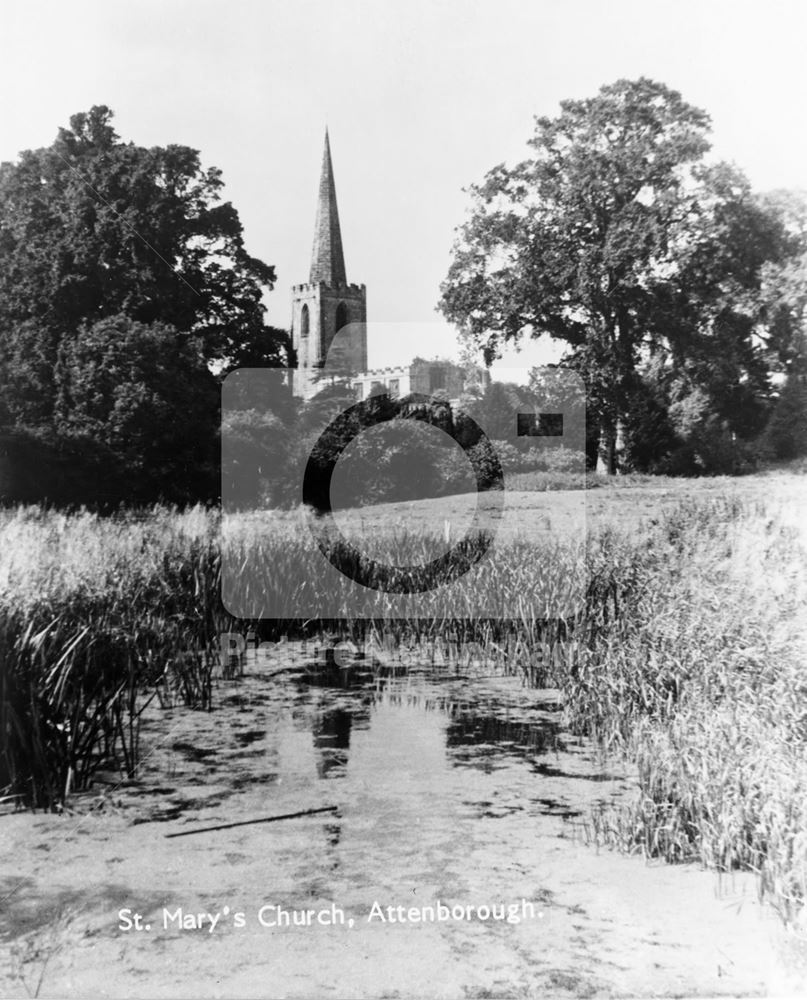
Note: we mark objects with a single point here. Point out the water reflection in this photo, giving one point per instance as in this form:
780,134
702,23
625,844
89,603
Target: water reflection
477,725
332,742
402,749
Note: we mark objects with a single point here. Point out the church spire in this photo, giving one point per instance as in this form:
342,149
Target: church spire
327,257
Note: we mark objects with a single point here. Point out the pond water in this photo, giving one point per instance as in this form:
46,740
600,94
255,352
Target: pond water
445,785
442,746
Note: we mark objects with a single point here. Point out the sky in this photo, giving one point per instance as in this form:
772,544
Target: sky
420,98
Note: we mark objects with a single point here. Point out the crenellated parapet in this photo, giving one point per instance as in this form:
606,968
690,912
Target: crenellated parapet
350,289
378,372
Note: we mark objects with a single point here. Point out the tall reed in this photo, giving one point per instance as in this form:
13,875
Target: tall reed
95,615
691,662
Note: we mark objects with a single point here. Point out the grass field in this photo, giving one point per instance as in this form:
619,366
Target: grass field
687,656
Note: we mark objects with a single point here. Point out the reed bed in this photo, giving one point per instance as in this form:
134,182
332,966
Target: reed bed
273,568
100,616
97,617
695,670
683,653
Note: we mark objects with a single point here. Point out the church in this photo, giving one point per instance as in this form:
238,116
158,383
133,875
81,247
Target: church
327,303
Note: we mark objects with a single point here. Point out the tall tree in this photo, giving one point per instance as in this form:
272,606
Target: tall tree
92,227
599,239
124,281
718,335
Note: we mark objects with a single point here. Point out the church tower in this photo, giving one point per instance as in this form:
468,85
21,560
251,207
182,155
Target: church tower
320,308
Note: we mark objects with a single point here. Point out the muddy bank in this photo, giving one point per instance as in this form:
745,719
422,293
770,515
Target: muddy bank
450,789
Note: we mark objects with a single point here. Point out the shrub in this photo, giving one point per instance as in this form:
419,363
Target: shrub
485,460
560,459
509,456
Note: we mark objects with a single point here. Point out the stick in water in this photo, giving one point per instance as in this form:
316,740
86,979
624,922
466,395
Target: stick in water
249,822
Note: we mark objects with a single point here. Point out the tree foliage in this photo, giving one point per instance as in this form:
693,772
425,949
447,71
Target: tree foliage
145,393
786,434
124,281
616,238
135,412
92,226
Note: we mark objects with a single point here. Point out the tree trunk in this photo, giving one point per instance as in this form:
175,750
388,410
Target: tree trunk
619,446
611,445
606,451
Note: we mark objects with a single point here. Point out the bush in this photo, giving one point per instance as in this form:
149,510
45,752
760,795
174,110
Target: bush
38,465
485,460
510,457
457,474
554,460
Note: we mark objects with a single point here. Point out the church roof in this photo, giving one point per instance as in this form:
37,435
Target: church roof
327,257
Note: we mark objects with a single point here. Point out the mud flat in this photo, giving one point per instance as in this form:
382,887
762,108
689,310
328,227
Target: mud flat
450,789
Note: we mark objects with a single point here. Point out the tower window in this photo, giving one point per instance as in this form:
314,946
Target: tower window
304,321
341,317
